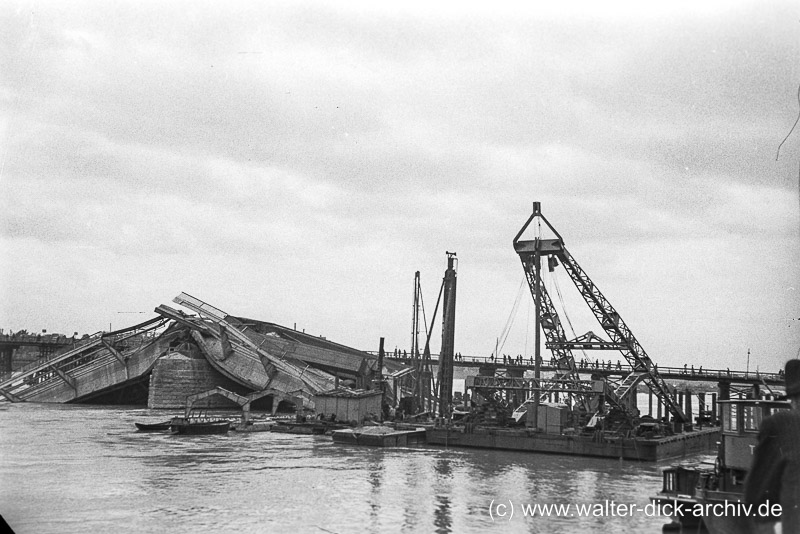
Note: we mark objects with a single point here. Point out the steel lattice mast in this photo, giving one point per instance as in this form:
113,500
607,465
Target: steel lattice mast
622,339
567,375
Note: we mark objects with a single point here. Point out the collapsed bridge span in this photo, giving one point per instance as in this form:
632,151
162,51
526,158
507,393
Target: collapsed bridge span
102,363
246,355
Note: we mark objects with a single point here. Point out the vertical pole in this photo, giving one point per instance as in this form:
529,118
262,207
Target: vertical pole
415,325
427,379
714,408
448,338
418,385
537,300
677,400
6,357
688,411
747,372
379,375
701,407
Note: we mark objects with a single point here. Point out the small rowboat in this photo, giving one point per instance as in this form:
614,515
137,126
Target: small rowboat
153,427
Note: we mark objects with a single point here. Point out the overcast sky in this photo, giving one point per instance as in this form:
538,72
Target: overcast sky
298,162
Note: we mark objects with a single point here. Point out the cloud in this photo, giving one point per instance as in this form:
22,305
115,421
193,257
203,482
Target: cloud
298,162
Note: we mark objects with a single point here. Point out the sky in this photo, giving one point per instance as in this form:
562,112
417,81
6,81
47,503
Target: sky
297,162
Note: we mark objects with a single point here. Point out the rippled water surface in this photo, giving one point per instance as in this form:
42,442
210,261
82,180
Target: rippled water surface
75,469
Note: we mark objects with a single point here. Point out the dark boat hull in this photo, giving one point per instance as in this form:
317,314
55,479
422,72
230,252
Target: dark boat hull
153,427
314,428
194,428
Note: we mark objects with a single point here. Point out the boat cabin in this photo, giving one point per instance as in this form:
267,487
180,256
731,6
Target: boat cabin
741,419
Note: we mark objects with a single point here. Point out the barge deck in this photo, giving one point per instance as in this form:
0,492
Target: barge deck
639,449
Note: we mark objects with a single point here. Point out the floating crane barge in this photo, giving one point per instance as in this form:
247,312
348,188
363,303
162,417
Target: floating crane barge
564,413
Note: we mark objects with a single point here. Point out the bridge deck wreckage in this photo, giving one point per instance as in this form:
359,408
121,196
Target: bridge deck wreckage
247,356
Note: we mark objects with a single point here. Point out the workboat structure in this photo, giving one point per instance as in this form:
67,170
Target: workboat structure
712,493
569,411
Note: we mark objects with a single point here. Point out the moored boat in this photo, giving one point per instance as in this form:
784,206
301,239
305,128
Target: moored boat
197,426
153,427
713,493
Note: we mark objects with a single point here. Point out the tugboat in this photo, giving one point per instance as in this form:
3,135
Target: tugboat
712,495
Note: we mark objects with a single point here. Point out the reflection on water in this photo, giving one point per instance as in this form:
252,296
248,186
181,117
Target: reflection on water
86,469
442,520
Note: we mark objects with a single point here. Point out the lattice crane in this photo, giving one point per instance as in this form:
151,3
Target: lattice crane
622,339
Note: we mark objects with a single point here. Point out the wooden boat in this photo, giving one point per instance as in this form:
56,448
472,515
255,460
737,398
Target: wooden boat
190,426
153,427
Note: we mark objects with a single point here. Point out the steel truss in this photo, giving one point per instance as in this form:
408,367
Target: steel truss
622,339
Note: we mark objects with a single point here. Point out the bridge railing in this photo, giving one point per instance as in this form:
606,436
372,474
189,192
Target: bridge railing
73,356
607,366
25,369
38,339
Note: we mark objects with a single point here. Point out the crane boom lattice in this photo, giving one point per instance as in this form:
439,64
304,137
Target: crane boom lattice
622,339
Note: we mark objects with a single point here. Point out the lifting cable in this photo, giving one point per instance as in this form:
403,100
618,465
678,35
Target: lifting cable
527,326
564,309
422,305
563,306
511,317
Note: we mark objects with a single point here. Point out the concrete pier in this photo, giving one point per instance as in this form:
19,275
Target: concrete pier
177,376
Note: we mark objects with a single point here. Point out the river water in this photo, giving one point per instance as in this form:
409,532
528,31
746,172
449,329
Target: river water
75,469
